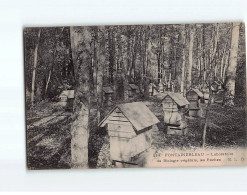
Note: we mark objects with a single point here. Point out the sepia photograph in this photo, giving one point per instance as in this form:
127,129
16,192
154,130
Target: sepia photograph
135,96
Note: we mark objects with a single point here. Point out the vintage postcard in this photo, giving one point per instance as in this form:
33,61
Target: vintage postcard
133,96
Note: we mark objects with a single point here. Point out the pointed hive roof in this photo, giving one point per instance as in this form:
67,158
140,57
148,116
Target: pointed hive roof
137,113
108,90
178,98
199,93
133,86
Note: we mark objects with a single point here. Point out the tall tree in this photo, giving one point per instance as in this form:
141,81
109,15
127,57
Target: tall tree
190,65
100,58
183,59
35,61
81,39
231,70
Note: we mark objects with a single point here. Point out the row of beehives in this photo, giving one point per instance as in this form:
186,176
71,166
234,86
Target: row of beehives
67,96
108,93
160,88
129,125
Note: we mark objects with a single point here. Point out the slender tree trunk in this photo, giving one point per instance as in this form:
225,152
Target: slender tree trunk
215,43
225,66
231,71
206,118
190,65
79,127
47,82
222,62
204,56
148,47
35,61
183,61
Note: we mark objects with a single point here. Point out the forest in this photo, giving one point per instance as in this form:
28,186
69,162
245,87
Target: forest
87,59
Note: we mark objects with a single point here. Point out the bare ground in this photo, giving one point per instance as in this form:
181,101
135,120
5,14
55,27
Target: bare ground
48,134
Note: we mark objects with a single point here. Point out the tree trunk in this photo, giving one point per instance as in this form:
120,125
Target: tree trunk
206,118
215,43
79,128
189,75
222,62
231,71
204,56
225,67
183,62
147,57
47,82
34,68
100,71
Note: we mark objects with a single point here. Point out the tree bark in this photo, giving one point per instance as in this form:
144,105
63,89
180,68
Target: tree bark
145,64
231,71
206,118
215,43
225,66
189,75
47,82
81,54
183,61
35,61
100,71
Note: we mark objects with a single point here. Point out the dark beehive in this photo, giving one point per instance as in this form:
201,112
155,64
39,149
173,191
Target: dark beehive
194,97
153,89
219,97
132,90
107,94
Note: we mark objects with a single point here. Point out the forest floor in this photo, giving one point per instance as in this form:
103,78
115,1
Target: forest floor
48,134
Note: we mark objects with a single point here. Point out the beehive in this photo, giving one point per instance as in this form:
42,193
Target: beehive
161,88
129,127
194,96
132,90
205,95
219,97
173,107
67,99
152,89
107,95
215,86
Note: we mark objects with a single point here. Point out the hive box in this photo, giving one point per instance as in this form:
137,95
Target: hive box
67,99
173,108
132,90
107,94
194,97
152,88
129,126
